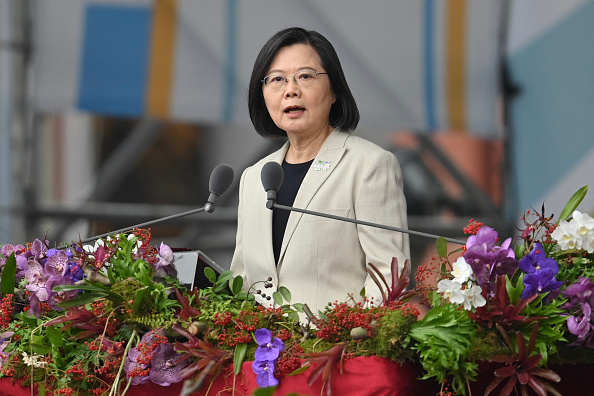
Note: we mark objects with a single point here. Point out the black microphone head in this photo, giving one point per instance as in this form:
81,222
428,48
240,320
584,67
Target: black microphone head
220,179
272,176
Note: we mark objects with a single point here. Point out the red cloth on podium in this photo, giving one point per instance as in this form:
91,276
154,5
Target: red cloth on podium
362,376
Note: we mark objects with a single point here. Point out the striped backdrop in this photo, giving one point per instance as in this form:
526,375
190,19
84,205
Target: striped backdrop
426,65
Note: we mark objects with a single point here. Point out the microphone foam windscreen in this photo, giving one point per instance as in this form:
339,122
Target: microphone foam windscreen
272,176
220,179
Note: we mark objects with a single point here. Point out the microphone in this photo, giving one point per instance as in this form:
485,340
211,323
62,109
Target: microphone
221,178
272,178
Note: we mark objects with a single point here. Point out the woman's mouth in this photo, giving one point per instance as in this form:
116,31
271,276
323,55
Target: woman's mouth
294,110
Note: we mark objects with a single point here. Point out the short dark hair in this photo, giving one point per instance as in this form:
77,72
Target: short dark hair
344,114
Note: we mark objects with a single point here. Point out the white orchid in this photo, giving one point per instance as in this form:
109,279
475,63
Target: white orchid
473,297
564,235
451,290
578,233
461,270
584,230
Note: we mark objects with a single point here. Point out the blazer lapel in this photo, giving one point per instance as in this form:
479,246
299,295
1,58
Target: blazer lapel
323,165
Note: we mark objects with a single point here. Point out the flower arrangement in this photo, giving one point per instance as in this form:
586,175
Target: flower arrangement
97,320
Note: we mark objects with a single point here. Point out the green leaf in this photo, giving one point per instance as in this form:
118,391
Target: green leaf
81,299
41,349
236,285
442,247
138,298
298,307
238,357
210,274
8,275
278,298
95,288
285,293
573,203
300,370
54,335
225,276
41,389
294,316
268,391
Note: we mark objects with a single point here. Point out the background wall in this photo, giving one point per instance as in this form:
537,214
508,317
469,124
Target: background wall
486,104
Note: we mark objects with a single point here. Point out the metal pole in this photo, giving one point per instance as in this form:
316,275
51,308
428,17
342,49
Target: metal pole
6,94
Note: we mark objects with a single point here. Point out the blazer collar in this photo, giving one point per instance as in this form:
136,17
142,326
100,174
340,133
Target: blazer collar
330,153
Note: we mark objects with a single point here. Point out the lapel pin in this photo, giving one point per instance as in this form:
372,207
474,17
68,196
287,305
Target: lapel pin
322,165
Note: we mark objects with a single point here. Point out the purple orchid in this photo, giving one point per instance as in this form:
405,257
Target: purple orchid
4,341
484,239
488,261
165,266
268,351
7,250
264,371
132,365
57,263
580,292
36,279
166,369
56,297
269,348
540,282
581,325
537,260
38,250
541,272
18,250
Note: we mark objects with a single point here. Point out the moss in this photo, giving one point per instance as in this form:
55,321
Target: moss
390,337
487,344
127,289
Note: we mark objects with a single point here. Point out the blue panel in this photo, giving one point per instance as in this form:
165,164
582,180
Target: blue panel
115,58
552,118
428,52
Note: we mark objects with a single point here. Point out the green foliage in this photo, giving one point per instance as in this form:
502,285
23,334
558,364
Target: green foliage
551,325
8,275
573,203
443,339
442,247
390,338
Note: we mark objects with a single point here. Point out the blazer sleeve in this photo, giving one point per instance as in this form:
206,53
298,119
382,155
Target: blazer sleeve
380,199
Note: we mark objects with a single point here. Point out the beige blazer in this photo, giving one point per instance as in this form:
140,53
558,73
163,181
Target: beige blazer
323,260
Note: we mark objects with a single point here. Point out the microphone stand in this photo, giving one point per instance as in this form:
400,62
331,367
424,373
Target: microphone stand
273,205
206,208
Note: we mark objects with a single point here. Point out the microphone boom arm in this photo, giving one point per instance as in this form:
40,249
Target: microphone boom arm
361,222
205,208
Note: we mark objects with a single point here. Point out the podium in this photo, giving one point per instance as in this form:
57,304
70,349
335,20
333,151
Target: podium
190,265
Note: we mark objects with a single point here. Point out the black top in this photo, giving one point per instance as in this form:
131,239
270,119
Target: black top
293,177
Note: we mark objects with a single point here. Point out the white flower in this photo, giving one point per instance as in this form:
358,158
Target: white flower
33,360
564,235
584,230
462,270
451,290
473,297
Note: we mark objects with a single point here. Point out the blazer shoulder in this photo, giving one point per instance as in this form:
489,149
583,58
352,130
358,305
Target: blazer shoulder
359,146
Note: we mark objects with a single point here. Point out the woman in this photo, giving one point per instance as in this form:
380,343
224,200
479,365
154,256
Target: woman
298,90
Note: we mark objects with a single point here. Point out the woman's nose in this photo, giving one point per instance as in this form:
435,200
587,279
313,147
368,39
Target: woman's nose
292,88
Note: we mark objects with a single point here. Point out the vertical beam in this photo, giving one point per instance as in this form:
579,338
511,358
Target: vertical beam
6,95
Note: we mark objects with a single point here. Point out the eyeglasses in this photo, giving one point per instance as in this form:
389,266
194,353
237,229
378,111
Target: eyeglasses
278,81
